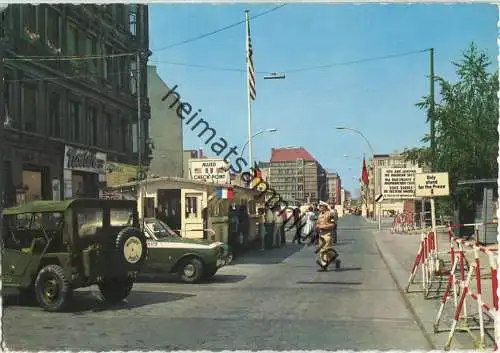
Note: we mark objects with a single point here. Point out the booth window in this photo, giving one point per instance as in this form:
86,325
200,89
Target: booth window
192,207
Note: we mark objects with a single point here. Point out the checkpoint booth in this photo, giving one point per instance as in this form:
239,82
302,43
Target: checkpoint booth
480,215
194,209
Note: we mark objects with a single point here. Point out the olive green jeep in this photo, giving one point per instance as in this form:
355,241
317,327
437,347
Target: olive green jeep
50,248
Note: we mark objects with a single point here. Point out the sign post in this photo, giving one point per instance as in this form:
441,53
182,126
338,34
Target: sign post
432,185
379,200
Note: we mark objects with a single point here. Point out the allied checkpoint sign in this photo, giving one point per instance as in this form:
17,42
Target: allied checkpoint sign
398,183
432,184
213,170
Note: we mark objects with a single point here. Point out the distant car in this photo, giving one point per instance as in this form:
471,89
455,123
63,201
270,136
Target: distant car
191,259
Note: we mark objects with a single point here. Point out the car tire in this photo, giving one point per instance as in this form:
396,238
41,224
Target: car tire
27,296
191,270
114,290
52,289
126,237
210,273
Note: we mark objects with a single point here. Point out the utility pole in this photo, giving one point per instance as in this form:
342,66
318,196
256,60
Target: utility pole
432,123
430,113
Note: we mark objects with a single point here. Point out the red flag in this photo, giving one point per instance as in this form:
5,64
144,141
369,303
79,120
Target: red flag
230,194
257,173
364,173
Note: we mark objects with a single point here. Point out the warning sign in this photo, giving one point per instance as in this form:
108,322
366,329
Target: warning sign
399,183
432,184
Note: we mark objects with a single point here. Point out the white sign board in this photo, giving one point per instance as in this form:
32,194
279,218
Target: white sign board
209,170
399,183
432,184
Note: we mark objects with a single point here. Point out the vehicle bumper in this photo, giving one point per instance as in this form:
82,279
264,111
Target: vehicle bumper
224,260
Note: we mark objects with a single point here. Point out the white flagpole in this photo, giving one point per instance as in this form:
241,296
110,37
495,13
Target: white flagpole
249,105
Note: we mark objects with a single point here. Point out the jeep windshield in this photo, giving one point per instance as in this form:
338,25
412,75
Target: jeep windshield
159,229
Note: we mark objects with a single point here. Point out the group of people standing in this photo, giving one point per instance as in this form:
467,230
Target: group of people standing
318,224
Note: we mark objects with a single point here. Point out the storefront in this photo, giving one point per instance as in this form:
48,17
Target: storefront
30,173
84,173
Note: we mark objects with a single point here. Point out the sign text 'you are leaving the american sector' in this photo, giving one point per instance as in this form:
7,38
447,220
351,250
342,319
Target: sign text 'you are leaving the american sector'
398,183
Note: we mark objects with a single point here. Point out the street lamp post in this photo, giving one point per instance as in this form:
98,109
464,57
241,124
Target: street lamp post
254,135
373,160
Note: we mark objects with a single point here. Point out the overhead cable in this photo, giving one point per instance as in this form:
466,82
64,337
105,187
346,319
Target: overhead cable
208,34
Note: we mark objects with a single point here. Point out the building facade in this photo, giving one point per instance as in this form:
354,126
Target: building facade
165,129
296,176
72,107
333,187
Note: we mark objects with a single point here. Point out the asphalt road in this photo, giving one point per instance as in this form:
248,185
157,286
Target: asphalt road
274,300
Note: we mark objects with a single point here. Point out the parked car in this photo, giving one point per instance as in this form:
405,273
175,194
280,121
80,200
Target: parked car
191,259
51,248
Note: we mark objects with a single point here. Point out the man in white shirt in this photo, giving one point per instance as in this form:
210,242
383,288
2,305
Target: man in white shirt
335,218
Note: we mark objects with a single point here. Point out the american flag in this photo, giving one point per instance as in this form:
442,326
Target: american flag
250,70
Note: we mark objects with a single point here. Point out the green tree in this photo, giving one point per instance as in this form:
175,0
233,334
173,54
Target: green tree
466,119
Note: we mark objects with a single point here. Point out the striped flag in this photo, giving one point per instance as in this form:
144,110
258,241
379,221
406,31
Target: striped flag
250,69
224,194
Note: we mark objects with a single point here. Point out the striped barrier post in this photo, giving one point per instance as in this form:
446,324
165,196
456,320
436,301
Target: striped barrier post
426,261
482,307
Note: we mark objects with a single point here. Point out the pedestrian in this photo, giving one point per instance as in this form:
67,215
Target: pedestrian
283,228
269,225
262,228
308,230
335,218
327,253
297,220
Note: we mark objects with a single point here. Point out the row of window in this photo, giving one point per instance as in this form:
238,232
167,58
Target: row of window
288,180
67,118
67,39
279,188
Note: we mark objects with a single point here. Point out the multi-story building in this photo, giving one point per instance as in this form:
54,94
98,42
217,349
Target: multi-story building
165,129
70,94
295,175
333,186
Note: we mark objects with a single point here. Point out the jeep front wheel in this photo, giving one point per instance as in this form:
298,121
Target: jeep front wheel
52,288
114,290
191,270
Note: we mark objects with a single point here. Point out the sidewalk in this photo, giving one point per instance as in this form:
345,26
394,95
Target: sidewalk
399,251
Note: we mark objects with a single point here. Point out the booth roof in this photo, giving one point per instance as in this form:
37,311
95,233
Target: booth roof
180,181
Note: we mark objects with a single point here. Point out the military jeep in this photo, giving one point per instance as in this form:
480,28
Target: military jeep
50,248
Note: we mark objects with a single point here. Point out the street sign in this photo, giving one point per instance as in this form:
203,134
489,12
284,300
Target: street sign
432,184
379,198
399,183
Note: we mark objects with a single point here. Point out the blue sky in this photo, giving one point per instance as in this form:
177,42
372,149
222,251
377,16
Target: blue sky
374,97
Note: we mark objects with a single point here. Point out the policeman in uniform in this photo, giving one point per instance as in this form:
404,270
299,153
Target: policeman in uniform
324,226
